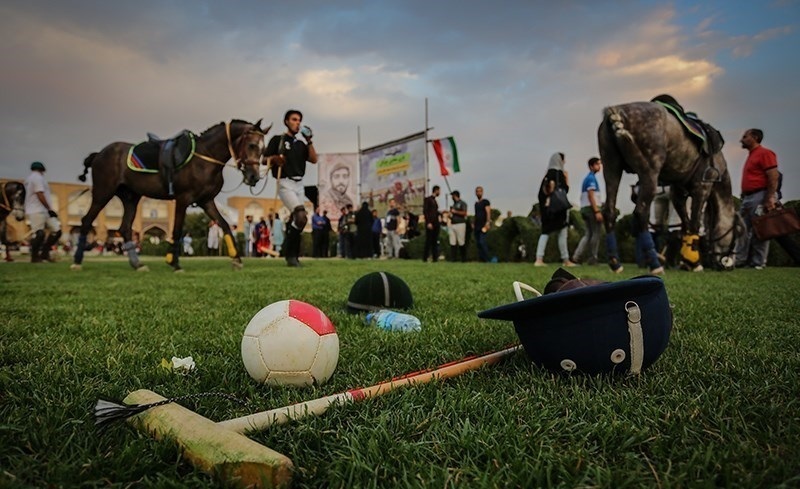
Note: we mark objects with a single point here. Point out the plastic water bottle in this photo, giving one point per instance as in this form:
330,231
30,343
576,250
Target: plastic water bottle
393,321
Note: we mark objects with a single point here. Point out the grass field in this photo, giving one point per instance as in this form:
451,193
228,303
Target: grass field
721,407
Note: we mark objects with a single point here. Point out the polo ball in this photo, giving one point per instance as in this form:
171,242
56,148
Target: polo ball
290,343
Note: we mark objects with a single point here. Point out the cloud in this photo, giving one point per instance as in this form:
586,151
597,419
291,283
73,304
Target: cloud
512,84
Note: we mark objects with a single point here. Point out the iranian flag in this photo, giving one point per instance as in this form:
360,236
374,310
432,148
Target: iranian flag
447,155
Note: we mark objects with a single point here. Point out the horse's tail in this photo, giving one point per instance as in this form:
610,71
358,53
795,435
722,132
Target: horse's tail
615,116
86,164
626,143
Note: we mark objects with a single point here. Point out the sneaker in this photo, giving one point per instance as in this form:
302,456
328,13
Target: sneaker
569,264
759,267
657,271
538,263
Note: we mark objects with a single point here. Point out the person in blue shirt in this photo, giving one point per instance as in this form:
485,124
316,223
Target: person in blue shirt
377,230
317,230
591,211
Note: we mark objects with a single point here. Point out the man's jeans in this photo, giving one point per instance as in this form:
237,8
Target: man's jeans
749,249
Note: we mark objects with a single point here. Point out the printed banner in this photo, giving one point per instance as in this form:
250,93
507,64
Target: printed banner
337,181
394,170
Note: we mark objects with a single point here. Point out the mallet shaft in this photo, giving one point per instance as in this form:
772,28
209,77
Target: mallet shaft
265,419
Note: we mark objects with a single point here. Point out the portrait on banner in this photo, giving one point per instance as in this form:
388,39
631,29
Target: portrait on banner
337,182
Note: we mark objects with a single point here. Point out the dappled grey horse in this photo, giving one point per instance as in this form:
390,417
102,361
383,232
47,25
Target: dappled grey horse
646,139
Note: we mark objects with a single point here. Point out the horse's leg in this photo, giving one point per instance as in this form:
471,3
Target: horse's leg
211,209
612,174
690,250
177,235
99,201
4,237
641,216
129,202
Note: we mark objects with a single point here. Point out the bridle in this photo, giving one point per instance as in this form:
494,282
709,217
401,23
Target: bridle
240,162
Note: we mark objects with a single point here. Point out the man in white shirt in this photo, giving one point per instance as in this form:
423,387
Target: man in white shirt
41,215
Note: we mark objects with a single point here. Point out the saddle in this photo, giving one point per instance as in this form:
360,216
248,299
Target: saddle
174,151
709,138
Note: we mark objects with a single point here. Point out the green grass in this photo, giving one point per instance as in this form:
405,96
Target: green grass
721,407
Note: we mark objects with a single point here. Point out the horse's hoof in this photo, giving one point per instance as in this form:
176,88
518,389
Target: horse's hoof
179,270
237,265
75,267
698,268
657,271
143,268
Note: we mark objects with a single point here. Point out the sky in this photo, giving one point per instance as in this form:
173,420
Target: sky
512,81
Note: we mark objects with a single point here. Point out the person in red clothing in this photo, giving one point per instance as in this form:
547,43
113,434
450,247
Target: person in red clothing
759,187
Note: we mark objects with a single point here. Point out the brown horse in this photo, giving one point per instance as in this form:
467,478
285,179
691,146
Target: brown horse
644,138
198,182
13,202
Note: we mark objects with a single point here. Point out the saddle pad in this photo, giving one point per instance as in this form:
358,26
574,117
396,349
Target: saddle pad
693,127
143,157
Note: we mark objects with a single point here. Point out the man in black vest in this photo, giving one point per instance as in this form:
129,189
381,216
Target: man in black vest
291,154
430,208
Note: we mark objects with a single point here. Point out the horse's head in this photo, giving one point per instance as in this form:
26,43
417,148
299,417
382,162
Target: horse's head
723,225
14,198
248,148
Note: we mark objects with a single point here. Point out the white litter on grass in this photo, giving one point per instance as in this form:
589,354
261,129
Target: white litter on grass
183,366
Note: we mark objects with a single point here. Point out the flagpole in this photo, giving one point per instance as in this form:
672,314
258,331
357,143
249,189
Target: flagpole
427,178
358,170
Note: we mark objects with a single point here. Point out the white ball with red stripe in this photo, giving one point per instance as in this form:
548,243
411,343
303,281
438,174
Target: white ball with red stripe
290,343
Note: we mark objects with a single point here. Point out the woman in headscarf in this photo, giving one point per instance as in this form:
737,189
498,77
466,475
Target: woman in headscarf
364,232
552,221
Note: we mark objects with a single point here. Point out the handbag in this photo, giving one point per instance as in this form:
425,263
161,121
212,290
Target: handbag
558,200
778,222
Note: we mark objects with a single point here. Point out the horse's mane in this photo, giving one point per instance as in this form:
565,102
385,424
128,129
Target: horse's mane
233,121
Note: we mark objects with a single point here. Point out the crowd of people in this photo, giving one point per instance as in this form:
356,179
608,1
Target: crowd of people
363,233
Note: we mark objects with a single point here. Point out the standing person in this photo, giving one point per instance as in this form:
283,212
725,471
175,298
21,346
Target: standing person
341,230
276,234
248,235
392,234
553,221
377,231
326,234
458,227
364,232
214,232
41,215
759,188
430,209
262,237
291,154
350,236
317,230
483,212
591,205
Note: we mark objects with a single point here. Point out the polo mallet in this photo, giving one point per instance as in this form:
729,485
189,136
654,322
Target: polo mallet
222,449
